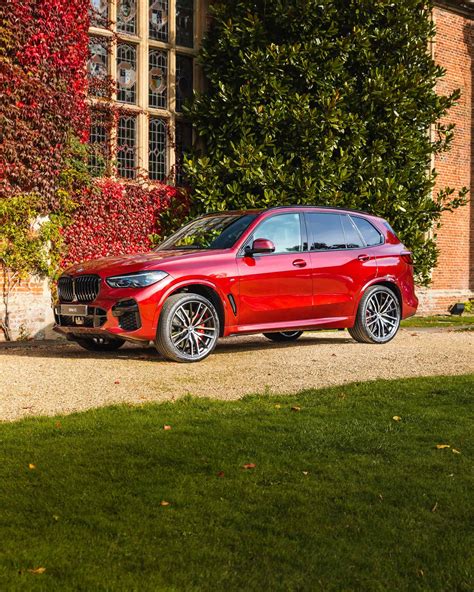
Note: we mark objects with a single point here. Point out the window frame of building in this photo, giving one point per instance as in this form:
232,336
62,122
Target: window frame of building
143,42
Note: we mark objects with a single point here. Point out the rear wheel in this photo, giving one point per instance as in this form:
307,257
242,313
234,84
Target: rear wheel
285,336
378,316
188,329
100,344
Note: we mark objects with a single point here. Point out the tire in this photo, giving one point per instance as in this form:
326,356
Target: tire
188,328
378,316
100,344
284,336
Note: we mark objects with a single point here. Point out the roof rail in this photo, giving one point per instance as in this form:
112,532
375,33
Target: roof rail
320,207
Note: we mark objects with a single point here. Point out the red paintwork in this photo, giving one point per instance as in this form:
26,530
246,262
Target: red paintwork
272,292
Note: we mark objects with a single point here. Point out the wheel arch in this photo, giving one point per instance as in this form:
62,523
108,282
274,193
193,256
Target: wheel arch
207,291
388,283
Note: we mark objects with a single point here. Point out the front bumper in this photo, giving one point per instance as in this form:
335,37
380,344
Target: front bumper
124,318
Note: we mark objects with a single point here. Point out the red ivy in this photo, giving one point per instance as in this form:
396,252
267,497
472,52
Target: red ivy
44,49
115,218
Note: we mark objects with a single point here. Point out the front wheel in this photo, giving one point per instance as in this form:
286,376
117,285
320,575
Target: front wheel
188,329
378,316
285,336
100,344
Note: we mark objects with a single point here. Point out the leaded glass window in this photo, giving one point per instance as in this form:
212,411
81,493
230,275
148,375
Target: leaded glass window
185,23
158,79
127,146
98,66
158,20
99,13
127,16
126,73
157,148
184,80
183,144
99,149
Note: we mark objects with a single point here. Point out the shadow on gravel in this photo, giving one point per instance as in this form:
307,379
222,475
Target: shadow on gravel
138,352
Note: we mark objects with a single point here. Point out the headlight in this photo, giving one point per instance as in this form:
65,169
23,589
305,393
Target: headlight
136,280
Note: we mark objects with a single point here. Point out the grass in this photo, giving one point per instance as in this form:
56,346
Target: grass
342,496
439,321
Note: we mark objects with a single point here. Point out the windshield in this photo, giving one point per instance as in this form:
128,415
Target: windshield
211,232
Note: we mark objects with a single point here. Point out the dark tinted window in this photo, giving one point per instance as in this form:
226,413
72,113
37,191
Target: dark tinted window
353,238
370,234
284,231
325,232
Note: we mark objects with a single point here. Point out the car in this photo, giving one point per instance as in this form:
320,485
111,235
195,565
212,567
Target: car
278,271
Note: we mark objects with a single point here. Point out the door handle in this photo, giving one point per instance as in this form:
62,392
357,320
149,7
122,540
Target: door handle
299,263
363,257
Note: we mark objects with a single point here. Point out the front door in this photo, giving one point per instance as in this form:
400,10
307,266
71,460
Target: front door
276,288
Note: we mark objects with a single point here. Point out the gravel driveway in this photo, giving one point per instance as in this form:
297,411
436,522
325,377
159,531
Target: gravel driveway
59,377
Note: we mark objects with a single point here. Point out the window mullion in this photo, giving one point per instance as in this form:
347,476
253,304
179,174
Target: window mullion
172,81
142,31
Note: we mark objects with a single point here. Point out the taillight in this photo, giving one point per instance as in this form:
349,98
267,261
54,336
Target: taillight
406,256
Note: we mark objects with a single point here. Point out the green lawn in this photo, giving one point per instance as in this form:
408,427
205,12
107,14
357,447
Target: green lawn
439,321
342,497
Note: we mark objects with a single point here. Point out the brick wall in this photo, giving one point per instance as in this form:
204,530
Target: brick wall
453,279
31,315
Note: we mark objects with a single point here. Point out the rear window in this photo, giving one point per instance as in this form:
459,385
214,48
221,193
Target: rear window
369,233
325,232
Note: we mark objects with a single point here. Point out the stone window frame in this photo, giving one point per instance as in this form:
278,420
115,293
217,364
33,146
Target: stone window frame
143,43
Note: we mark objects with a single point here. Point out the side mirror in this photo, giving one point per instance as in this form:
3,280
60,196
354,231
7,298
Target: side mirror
260,245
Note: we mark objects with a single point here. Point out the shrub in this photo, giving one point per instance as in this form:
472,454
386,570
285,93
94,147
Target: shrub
114,218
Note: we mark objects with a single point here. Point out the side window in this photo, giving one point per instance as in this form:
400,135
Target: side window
353,238
325,232
369,233
283,230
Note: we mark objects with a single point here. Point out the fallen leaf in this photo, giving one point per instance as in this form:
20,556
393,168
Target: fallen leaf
305,472
456,451
55,517
167,428
381,497
164,503
37,570
58,425
434,508
442,446
421,573
249,466
32,466
296,408
396,418
220,474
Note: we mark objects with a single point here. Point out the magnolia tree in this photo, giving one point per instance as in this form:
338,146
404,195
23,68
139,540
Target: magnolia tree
324,102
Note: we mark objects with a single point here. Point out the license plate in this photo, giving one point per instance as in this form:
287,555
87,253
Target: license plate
73,310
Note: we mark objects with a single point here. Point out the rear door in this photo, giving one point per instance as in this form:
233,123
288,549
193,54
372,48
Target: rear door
276,288
341,264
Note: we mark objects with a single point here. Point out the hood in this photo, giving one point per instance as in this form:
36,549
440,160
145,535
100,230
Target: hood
121,264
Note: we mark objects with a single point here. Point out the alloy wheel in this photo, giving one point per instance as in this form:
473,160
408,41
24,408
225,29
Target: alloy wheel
382,315
194,329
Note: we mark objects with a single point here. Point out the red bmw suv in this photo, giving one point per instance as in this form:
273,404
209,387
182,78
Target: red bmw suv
278,271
